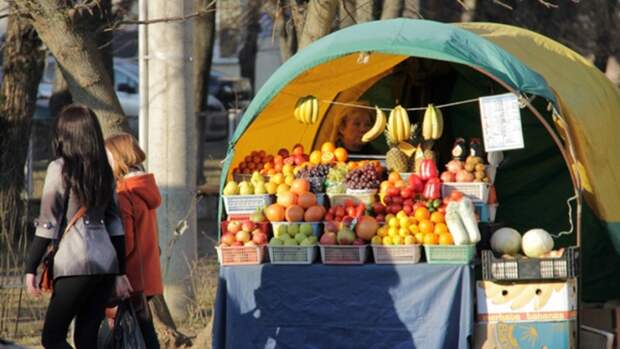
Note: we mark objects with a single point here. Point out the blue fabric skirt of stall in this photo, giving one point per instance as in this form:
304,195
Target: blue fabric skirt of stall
324,306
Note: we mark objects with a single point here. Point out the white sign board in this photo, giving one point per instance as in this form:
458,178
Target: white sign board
501,122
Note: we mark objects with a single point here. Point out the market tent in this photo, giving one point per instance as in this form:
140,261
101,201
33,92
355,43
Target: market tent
347,64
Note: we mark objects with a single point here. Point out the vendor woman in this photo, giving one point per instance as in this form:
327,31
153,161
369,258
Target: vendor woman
352,123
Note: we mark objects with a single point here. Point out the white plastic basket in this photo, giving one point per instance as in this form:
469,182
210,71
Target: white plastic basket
292,254
316,226
344,254
246,204
367,198
406,254
477,192
240,255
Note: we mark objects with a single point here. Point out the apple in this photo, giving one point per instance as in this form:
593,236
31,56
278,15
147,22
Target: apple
377,207
393,192
397,200
387,200
380,218
256,231
358,242
233,227
237,243
223,244
248,226
290,160
408,209
330,226
299,160
250,243
228,239
408,202
347,221
242,236
345,236
328,238
283,152
406,193
259,238
396,208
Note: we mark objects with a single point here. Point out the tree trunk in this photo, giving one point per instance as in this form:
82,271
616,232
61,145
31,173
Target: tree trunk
204,37
449,11
23,65
60,93
286,32
411,9
299,8
346,13
79,59
391,9
364,10
251,28
319,20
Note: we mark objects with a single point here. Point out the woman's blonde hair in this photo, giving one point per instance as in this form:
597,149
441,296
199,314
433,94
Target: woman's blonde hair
126,152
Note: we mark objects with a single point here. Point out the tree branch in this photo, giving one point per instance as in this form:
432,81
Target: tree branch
503,4
346,9
210,8
548,4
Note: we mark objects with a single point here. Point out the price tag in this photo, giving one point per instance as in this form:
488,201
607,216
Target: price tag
500,117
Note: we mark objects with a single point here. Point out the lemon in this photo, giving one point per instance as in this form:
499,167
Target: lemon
401,214
387,240
402,232
393,231
414,229
382,232
404,221
393,222
289,179
388,217
397,240
409,240
376,240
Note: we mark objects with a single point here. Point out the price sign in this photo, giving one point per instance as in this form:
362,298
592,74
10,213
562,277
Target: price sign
501,122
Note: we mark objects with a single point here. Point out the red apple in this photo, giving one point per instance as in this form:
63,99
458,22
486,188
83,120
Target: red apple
377,207
331,226
248,226
289,160
299,160
233,227
387,200
328,238
408,209
408,202
380,218
397,200
393,192
259,238
406,193
228,239
283,152
242,236
256,231
396,208
237,243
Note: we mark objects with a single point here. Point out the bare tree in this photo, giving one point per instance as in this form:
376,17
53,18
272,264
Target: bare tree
204,37
391,9
318,22
285,27
23,64
251,27
66,32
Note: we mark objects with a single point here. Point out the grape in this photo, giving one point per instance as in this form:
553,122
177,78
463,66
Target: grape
316,176
363,178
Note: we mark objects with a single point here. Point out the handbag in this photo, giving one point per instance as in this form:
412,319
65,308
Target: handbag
127,333
46,283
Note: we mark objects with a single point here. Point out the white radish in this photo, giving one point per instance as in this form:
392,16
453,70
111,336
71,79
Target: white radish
468,216
455,225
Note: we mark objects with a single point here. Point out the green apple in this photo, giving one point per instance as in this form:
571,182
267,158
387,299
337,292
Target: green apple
281,232
306,229
293,229
290,242
276,242
300,237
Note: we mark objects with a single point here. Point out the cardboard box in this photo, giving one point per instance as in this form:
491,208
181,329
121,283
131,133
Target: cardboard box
526,335
547,301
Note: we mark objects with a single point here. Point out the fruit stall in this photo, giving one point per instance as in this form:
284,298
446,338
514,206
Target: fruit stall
473,213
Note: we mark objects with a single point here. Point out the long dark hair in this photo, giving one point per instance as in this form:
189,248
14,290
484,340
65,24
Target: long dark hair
79,141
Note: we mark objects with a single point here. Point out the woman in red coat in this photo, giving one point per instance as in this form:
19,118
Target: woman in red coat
138,199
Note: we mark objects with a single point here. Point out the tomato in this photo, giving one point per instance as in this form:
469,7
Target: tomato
329,217
348,203
340,211
359,210
351,211
456,195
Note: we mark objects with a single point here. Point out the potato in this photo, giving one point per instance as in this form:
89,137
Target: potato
480,168
469,167
479,175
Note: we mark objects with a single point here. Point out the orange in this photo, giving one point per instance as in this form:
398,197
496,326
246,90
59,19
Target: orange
422,213
328,147
441,228
446,239
341,154
400,184
315,157
431,239
393,177
426,226
437,217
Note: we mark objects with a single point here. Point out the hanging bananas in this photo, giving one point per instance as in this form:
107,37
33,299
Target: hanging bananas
432,125
307,110
398,125
377,128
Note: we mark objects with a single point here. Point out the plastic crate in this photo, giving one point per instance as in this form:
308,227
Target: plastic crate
344,254
407,254
316,227
477,192
292,254
449,254
523,268
367,198
240,177
237,205
240,255
486,212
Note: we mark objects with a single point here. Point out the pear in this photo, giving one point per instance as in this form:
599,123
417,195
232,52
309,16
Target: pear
293,229
276,242
231,188
307,242
257,178
246,188
306,228
290,242
259,188
281,232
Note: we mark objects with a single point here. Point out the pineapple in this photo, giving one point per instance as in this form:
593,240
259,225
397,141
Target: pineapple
395,159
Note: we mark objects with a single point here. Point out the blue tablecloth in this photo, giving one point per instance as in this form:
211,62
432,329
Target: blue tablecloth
321,306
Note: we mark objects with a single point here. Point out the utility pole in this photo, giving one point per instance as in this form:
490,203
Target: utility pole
170,140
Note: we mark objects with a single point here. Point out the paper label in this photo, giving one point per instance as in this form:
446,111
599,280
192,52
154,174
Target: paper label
500,117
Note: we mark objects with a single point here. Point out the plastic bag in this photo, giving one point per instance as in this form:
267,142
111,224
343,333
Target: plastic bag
126,333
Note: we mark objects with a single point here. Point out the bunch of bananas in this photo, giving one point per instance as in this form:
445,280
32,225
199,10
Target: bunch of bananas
307,110
432,125
398,125
377,129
